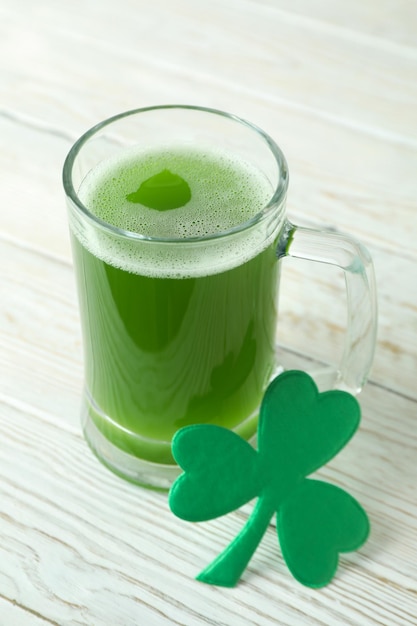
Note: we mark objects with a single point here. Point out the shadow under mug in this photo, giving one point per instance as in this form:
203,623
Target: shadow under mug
192,341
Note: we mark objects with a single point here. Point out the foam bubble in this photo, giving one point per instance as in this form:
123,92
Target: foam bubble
225,192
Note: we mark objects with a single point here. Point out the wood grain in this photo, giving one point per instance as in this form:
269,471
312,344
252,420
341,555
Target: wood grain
335,84
75,557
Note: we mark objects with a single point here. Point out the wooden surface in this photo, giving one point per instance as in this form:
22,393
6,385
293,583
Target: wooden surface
335,83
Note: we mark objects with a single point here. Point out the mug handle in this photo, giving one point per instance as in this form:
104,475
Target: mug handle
353,258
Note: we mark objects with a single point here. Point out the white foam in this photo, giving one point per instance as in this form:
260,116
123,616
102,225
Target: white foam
232,193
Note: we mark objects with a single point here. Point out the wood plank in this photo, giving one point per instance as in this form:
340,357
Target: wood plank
40,354
302,63
12,613
394,21
80,545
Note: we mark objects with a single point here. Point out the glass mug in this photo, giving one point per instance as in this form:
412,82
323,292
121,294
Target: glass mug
178,226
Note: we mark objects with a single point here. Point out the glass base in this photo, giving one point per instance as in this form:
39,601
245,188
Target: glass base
160,476
132,466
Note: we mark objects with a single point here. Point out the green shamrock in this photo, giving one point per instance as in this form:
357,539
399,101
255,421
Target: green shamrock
299,430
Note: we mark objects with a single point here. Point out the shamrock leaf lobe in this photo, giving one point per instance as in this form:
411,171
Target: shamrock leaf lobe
221,472
315,524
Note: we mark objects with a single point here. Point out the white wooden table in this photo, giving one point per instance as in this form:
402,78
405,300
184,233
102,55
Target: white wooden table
335,83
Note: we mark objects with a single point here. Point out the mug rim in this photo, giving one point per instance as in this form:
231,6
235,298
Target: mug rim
276,200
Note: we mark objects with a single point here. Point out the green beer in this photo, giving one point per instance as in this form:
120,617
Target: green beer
175,334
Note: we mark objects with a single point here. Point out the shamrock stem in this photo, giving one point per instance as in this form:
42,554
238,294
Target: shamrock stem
228,567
